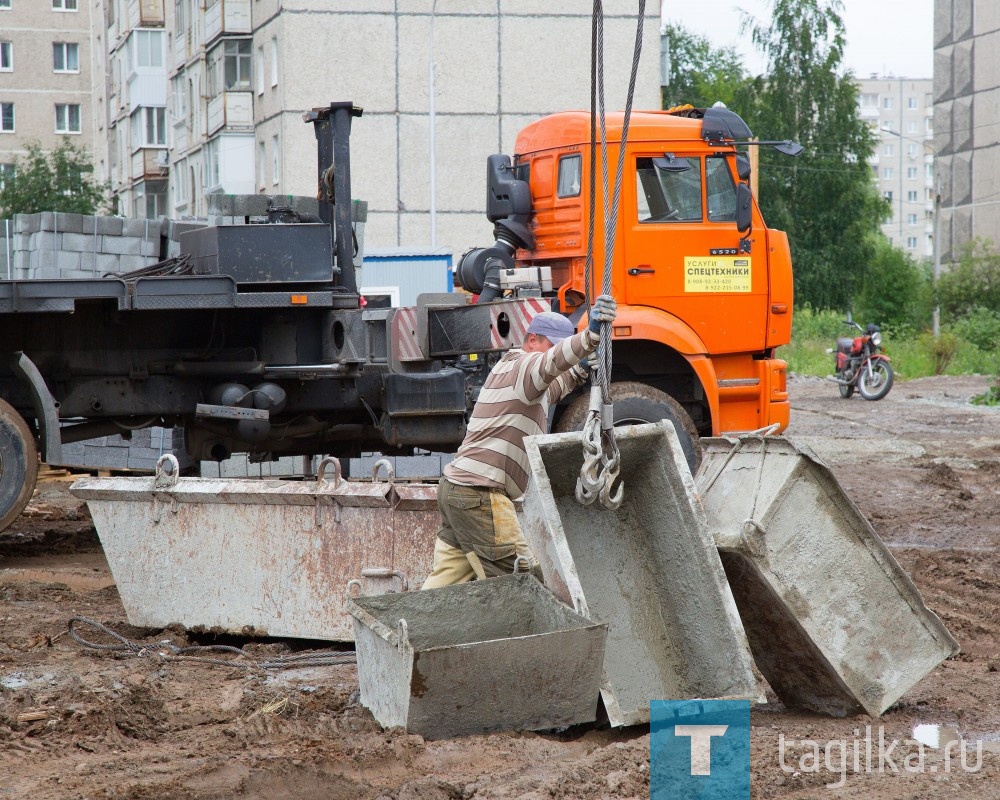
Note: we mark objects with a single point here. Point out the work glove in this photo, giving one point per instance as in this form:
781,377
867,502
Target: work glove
604,310
586,366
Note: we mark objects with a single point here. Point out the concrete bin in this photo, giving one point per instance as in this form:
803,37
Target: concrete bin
490,655
649,568
835,624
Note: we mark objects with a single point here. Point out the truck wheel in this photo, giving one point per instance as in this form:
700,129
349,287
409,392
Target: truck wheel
636,403
18,464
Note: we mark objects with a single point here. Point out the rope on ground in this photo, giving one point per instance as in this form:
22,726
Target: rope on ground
166,651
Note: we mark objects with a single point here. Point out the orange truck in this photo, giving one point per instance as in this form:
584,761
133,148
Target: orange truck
704,287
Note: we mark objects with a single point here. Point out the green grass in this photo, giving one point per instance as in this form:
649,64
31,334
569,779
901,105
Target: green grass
913,355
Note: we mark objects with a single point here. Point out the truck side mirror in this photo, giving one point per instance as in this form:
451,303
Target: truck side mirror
744,205
743,166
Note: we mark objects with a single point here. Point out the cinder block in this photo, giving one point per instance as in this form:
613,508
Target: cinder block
209,469
173,249
69,223
28,223
67,261
413,467
44,240
109,226
106,457
122,245
108,262
174,228
150,248
219,203
80,242
143,228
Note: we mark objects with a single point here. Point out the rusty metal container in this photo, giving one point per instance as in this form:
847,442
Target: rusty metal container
267,557
490,655
649,568
835,624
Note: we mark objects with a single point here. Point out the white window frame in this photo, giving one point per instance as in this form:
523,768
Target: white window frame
275,160
887,173
13,119
5,5
157,115
911,242
274,61
260,70
9,48
65,47
911,219
65,5
262,164
239,85
889,149
886,103
391,291
65,120
911,196
911,103
7,169
146,37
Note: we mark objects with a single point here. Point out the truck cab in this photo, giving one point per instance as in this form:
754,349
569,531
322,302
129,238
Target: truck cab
704,286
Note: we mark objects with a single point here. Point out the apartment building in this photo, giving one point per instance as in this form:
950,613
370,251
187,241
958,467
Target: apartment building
47,74
967,121
241,73
901,112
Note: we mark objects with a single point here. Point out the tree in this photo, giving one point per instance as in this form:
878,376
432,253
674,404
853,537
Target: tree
826,200
59,180
974,282
699,74
896,290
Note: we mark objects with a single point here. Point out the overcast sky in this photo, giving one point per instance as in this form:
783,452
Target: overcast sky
888,37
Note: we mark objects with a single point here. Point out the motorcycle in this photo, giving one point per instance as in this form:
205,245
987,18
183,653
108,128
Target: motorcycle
859,364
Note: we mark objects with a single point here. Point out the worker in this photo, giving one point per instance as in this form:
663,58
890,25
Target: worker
480,536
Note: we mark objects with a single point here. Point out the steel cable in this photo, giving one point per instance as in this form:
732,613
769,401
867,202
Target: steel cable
166,651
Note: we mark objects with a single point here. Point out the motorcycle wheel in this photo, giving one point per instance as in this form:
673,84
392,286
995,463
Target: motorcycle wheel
846,390
877,385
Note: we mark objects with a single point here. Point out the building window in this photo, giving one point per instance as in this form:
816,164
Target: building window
150,200
7,171
887,173
67,118
911,126
911,219
4,5
889,149
261,164
887,102
6,56
930,172
869,101
260,70
212,171
274,61
275,160
149,127
237,56
911,103
65,57
911,172
887,196
911,196
64,5
148,48
911,242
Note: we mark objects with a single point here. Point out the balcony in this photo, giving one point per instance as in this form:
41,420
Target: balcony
145,13
232,111
149,163
227,16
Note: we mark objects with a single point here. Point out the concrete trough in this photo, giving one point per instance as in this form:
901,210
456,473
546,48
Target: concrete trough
649,569
262,557
835,624
490,655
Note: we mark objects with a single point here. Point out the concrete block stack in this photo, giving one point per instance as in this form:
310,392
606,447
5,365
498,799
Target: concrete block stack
139,452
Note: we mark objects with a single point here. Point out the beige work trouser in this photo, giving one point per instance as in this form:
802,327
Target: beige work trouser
479,537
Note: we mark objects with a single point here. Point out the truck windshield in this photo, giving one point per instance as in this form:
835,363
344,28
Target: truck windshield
669,196
721,190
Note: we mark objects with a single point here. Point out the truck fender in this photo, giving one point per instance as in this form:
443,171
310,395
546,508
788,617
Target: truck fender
45,405
658,326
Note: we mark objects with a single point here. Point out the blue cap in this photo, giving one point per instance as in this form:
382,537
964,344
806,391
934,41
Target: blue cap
554,327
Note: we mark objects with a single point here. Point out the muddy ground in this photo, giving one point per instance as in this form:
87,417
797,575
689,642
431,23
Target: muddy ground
923,465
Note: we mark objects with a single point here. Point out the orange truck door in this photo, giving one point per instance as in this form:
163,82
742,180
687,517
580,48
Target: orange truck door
682,249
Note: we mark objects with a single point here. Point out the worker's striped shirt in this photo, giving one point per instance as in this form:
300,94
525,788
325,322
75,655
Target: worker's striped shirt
514,403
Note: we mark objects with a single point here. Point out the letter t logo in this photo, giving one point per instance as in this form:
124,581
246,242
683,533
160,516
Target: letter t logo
701,745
